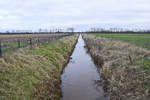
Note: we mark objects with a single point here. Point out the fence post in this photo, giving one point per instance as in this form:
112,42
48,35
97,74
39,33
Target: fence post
131,62
19,44
49,39
0,49
143,79
38,41
30,41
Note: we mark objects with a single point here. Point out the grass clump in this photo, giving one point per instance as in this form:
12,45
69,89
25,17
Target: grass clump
146,64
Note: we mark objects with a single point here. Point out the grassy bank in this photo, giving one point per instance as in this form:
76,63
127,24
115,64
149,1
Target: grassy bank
124,67
141,40
34,74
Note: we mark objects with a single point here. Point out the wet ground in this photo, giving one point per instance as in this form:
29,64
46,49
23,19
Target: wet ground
80,76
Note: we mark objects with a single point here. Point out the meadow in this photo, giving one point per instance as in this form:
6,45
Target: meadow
141,40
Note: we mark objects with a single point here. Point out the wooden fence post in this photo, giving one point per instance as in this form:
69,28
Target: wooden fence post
38,41
131,62
143,79
19,43
0,49
30,41
49,39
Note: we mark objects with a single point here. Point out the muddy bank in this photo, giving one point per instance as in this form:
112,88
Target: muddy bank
119,64
34,74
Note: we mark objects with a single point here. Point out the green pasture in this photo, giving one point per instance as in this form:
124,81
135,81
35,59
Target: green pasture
141,40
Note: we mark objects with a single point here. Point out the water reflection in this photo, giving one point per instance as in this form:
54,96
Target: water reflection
78,78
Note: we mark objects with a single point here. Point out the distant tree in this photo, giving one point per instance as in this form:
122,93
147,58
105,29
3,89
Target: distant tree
71,30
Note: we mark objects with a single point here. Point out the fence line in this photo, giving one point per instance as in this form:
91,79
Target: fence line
6,46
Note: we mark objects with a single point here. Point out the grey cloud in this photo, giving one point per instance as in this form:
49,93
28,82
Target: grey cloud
34,14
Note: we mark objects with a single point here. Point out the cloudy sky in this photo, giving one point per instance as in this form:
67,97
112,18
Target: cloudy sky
35,14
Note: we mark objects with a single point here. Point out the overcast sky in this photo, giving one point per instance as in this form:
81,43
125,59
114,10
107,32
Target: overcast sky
33,14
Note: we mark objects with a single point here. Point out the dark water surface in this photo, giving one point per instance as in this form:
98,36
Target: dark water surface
79,76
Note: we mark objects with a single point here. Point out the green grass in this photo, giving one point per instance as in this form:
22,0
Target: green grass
146,68
13,47
146,64
33,74
141,40
122,35
50,51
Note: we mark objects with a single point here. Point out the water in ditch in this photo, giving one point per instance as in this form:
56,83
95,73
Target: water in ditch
80,75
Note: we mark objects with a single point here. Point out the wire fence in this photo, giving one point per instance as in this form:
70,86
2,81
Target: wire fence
13,44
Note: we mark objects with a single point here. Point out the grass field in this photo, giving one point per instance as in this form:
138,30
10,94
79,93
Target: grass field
141,40
12,37
34,74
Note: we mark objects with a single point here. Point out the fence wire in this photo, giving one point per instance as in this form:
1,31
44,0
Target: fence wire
13,44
